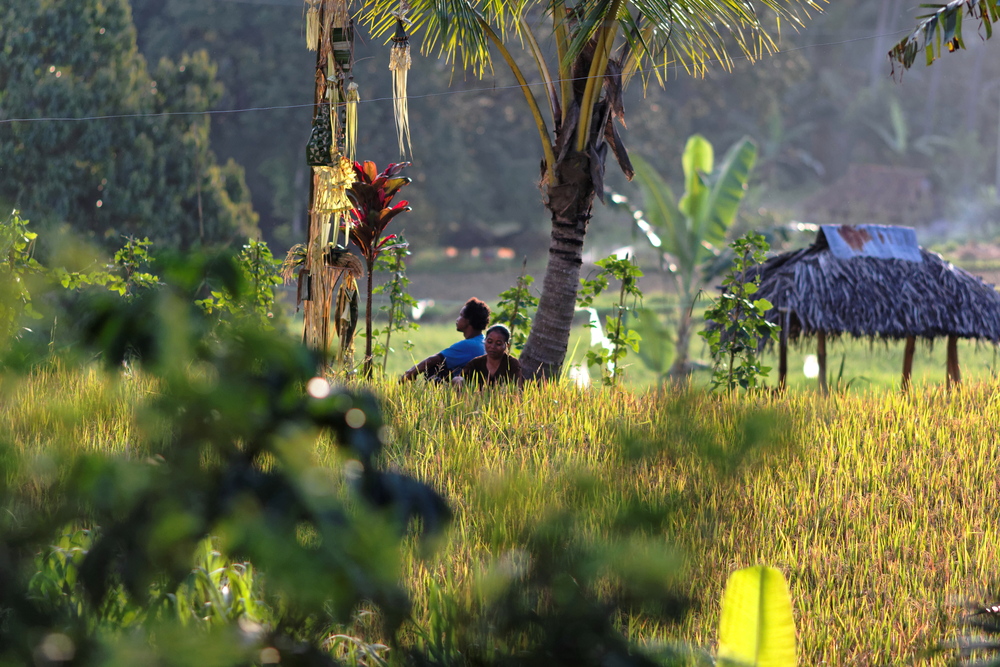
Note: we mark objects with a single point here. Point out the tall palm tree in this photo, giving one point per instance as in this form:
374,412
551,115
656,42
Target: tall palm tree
600,45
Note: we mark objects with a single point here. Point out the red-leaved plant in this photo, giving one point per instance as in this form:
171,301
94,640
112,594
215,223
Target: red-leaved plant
373,210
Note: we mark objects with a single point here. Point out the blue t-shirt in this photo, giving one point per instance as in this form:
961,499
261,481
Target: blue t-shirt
464,351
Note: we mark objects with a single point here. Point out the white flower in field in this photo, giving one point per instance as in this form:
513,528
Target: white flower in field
811,366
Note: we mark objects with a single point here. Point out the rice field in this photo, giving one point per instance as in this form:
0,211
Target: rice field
879,508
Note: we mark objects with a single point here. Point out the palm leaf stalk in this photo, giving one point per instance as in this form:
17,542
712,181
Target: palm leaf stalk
372,194
599,45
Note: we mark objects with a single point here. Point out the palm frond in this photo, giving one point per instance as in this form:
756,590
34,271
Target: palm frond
942,27
451,28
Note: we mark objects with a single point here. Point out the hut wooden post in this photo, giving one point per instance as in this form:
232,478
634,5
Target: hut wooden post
954,372
783,349
911,344
821,357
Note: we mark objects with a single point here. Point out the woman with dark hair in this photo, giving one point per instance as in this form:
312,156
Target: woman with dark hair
472,319
496,366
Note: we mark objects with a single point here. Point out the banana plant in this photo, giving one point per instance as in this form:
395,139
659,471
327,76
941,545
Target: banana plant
372,194
756,625
691,232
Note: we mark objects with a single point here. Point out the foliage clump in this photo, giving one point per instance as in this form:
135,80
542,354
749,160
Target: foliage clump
619,338
738,324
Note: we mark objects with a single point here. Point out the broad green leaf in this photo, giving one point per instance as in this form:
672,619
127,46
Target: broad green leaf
728,187
756,628
763,305
698,160
660,209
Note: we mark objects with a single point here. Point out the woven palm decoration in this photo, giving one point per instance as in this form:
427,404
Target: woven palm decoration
320,149
351,122
333,95
312,24
348,268
399,65
330,187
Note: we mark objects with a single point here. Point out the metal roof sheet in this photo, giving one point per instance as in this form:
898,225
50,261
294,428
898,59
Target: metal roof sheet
881,241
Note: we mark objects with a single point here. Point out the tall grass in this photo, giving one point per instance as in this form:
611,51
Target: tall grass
879,508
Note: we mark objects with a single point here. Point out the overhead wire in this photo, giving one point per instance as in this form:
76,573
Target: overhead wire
673,68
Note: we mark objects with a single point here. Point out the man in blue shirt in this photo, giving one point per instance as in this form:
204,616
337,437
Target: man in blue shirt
472,319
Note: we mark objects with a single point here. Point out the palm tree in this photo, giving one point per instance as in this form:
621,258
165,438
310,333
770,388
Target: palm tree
600,46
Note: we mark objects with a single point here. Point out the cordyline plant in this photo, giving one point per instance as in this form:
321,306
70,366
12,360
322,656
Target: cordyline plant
373,210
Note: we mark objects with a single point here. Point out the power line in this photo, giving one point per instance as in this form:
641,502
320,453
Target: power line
673,68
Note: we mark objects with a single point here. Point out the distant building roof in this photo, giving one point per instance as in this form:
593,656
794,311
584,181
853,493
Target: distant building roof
874,193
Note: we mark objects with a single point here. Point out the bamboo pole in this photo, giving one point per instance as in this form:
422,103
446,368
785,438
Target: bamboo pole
821,356
954,372
911,344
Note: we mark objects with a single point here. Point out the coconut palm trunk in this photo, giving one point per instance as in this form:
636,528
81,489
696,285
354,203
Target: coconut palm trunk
570,203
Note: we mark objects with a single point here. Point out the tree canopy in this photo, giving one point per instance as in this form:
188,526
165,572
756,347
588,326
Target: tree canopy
90,136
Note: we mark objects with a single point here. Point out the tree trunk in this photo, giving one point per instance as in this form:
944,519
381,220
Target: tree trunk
821,358
954,372
570,200
369,361
911,345
681,368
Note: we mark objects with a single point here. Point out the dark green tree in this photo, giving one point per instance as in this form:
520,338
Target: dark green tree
148,173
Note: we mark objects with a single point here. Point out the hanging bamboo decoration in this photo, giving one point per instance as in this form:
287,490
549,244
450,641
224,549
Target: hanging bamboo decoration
399,65
351,124
312,25
320,261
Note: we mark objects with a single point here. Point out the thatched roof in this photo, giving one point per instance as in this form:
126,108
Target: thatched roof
873,281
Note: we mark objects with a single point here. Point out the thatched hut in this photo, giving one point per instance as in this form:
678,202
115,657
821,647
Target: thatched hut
872,281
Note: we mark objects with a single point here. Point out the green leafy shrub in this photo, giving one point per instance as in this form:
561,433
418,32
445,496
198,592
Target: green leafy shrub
223,448
394,262
620,338
515,308
738,323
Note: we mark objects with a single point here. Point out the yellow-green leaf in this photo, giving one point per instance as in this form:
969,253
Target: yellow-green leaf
756,628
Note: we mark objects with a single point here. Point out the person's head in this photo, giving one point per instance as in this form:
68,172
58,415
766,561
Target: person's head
475,313
497,341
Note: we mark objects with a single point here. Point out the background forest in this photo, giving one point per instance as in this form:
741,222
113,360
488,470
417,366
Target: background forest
825,102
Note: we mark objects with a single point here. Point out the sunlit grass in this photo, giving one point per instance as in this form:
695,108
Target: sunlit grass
879,508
